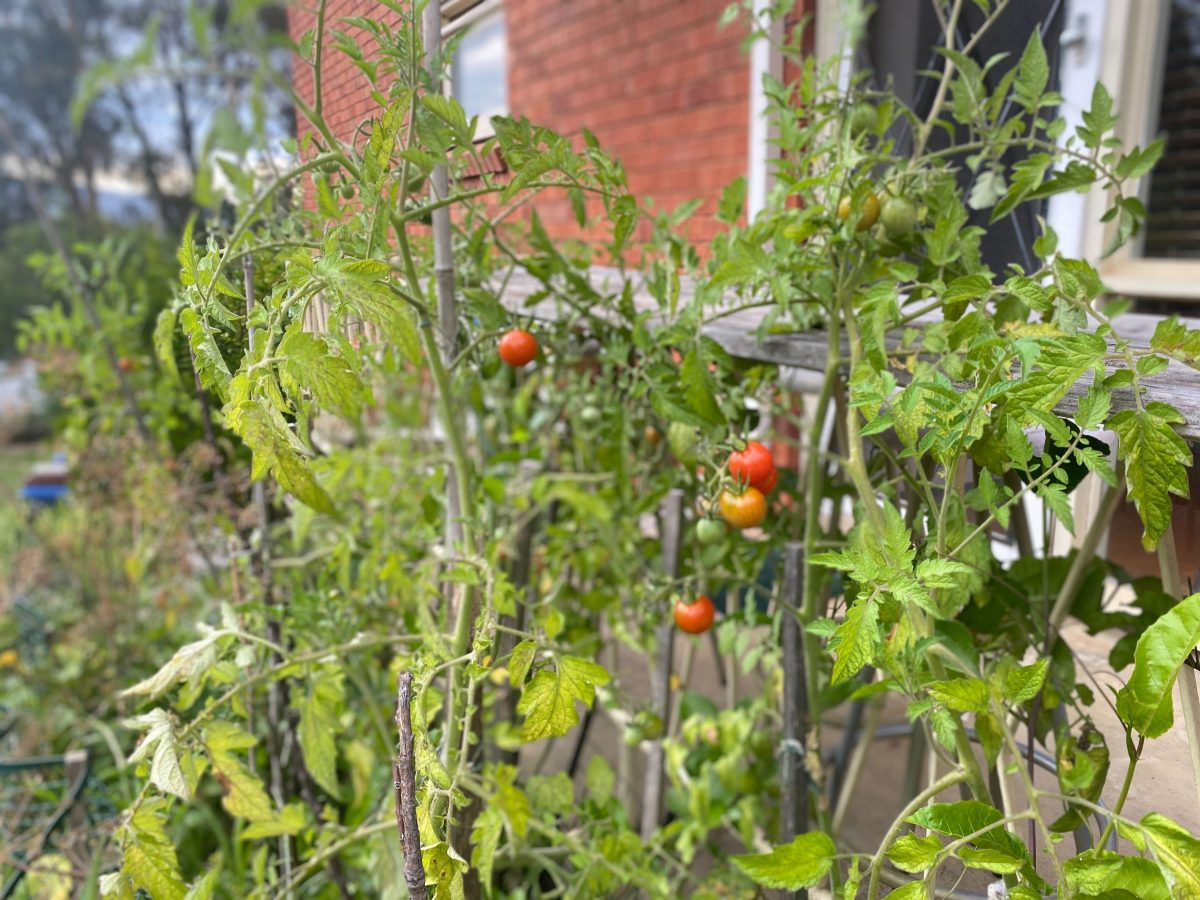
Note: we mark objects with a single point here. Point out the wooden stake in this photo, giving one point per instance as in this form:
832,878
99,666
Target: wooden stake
404,768
671,523
793,788
1168,563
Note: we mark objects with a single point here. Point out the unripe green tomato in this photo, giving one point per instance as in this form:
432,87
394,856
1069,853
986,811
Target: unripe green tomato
633,735
710,531
650,724
347,190
329,167
862,118
899,216
683,440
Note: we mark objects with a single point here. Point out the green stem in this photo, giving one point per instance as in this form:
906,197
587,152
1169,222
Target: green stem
1135,754
943,783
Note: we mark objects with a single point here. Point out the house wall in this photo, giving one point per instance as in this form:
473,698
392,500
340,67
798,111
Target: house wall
664,88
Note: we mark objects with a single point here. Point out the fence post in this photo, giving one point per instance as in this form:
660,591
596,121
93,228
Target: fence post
671,525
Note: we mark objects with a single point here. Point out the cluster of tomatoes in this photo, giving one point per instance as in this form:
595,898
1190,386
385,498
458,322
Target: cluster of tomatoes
742,505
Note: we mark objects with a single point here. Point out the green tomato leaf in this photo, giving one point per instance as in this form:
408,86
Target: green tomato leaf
1097,872
319,709
914,854
960,694
801,864
1145,702
997,861
1023,683
1155,464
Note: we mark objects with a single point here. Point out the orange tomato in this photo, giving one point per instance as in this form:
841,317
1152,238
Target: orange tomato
744,510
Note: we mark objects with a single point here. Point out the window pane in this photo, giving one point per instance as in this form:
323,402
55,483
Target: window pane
1173,227
479,73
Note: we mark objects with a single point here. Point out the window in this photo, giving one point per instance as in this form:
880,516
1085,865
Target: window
479,67
1149,58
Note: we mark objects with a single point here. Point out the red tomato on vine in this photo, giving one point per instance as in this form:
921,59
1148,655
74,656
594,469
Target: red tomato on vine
518,348
695,617
753,466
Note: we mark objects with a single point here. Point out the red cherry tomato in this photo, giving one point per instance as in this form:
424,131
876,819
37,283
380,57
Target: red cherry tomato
744,510
518,347
769,485
753,466
695,617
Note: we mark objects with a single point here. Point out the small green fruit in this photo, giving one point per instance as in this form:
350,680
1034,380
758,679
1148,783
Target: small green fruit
709,531
862,118
899,217
683,440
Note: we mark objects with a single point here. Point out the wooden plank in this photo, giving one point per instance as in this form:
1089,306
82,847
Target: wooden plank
738,334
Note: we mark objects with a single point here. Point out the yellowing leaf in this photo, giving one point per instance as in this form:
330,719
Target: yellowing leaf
1177,853
548,702
801,864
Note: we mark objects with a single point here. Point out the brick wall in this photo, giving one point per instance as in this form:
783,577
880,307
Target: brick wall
663,88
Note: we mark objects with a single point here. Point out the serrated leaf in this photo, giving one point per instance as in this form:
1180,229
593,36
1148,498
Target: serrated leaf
803,863
149,861
1093,407
309,365
1155,464
1033,73
1145,702
1173,338
1095,872
966,817
289,821
485,841
243,792
520,661
319,708
189,662
914,890
914,854
960,694
699,389
1177,854
996,861
856,640
548,702
1023,683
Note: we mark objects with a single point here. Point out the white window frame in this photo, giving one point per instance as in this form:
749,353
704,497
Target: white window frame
1135,33
460,14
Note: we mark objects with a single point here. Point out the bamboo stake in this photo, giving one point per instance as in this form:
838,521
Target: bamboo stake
443,253
671,517
405,786
793,781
